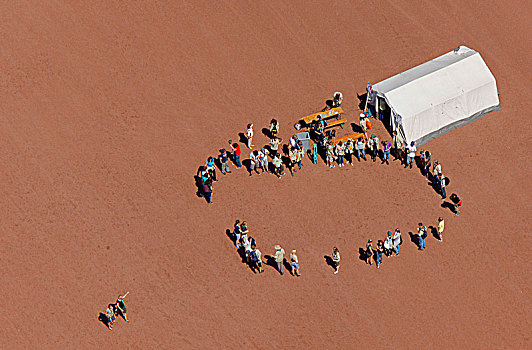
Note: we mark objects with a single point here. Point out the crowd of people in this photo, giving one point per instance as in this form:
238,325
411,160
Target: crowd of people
113,311
269,159
246,247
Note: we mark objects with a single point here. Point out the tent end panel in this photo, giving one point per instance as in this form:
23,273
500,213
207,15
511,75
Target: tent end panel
423,140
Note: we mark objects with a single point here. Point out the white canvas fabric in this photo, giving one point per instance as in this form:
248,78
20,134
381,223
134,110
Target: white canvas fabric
440,95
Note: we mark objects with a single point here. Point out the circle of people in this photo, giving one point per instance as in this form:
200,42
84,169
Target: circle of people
339,153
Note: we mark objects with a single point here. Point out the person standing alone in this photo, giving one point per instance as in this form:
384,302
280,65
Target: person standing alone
279,258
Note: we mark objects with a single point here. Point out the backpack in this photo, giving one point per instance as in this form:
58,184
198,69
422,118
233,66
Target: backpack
369,124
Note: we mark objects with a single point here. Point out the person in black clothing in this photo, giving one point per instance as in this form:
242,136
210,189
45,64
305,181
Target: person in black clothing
121,307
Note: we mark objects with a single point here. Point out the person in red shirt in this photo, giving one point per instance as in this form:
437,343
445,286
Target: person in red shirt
236,153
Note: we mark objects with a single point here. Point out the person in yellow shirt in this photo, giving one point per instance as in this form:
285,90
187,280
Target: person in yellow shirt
441,227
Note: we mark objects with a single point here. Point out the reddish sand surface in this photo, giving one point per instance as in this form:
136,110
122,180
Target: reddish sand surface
108,108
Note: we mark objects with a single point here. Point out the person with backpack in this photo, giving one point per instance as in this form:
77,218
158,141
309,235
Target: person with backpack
422,233
236,153
441,227
336,260
256,259
224,161
396,241
457,203
294,263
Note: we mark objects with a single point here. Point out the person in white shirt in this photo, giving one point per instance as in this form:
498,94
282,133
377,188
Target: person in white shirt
396,241
360,147
411,155
249,136
253,162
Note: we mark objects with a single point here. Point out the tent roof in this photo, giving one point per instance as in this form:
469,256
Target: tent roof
435,82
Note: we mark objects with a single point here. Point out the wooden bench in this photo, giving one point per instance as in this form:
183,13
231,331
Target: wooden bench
333,112
339,123
353,137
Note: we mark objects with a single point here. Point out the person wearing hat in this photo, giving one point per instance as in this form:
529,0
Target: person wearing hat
411,155
363,123
279,258
224,161
294,262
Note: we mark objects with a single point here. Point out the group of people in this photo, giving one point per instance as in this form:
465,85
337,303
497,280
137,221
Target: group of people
114,310
247,248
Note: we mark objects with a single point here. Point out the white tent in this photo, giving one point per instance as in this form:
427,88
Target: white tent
438,96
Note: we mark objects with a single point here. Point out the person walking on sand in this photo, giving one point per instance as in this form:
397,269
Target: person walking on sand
336,260
256,258
236,153
411,155
422,233
279,259
396,241
378,253
294,262
369,252
249,135
457,203
441,227
386,147
121,307
224,161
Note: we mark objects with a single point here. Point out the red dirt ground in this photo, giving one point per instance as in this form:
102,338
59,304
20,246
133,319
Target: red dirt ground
108,108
